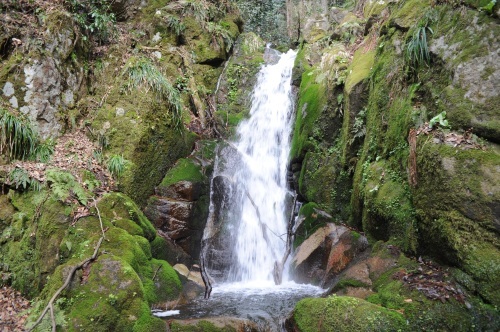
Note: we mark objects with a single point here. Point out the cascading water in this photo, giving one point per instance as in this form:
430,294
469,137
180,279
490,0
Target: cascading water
254,172
263,141
250,208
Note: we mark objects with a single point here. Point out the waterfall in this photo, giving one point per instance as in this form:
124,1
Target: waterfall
251,214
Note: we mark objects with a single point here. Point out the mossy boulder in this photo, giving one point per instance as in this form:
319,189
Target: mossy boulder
340,313
456,208
115,291
219,324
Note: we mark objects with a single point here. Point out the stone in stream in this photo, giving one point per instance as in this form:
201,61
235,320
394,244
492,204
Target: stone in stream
325,254
213,324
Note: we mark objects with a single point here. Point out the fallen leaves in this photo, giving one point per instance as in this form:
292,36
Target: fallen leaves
465,141
13,308
431,280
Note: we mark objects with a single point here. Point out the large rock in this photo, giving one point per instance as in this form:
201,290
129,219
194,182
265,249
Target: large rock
325,254
339,313
47,83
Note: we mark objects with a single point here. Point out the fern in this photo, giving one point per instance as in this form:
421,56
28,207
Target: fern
22,180
63,185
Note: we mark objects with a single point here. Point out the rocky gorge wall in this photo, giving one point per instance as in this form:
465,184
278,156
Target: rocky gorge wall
395,139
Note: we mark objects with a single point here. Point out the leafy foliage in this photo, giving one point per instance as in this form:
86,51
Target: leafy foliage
63,185
18,139
218,31
417,50
44,151
116,165
175,25
142,73
21,179
439,119
94,18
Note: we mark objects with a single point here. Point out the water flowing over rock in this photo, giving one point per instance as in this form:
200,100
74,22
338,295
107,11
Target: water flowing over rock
246,229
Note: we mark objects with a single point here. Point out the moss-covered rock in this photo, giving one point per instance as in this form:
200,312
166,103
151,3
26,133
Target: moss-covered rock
236,84
339,313
115,291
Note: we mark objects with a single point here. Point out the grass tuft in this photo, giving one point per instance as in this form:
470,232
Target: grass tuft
142,73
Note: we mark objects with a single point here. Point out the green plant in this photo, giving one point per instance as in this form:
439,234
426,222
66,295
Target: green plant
44,151
175,25
141,72
439,119
18,139
94,17
358,128
63,185
489,7
218,32
116,165
417,50
21,179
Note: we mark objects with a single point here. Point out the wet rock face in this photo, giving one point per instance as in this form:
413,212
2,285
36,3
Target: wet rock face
173,212
218,237
325,254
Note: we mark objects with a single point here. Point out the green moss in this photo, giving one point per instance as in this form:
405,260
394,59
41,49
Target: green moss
116,206
161,282
147,322
410,12
344,283
312,101
184,170
389,212
129,225
360,68
338,313
374,8
200,326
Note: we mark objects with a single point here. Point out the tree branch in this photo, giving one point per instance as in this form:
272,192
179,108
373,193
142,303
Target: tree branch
66,283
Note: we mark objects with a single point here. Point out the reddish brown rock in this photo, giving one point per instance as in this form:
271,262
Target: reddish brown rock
326,253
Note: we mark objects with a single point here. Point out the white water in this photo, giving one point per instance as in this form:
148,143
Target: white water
260,198
252,169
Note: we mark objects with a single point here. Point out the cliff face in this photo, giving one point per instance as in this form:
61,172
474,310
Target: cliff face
396,132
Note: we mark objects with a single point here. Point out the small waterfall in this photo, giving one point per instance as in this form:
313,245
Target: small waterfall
250,201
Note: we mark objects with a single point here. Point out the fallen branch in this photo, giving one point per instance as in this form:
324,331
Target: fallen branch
278,267
66,283
204,275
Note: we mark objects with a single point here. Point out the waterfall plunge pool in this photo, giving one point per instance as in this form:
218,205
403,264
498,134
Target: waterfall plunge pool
261,302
